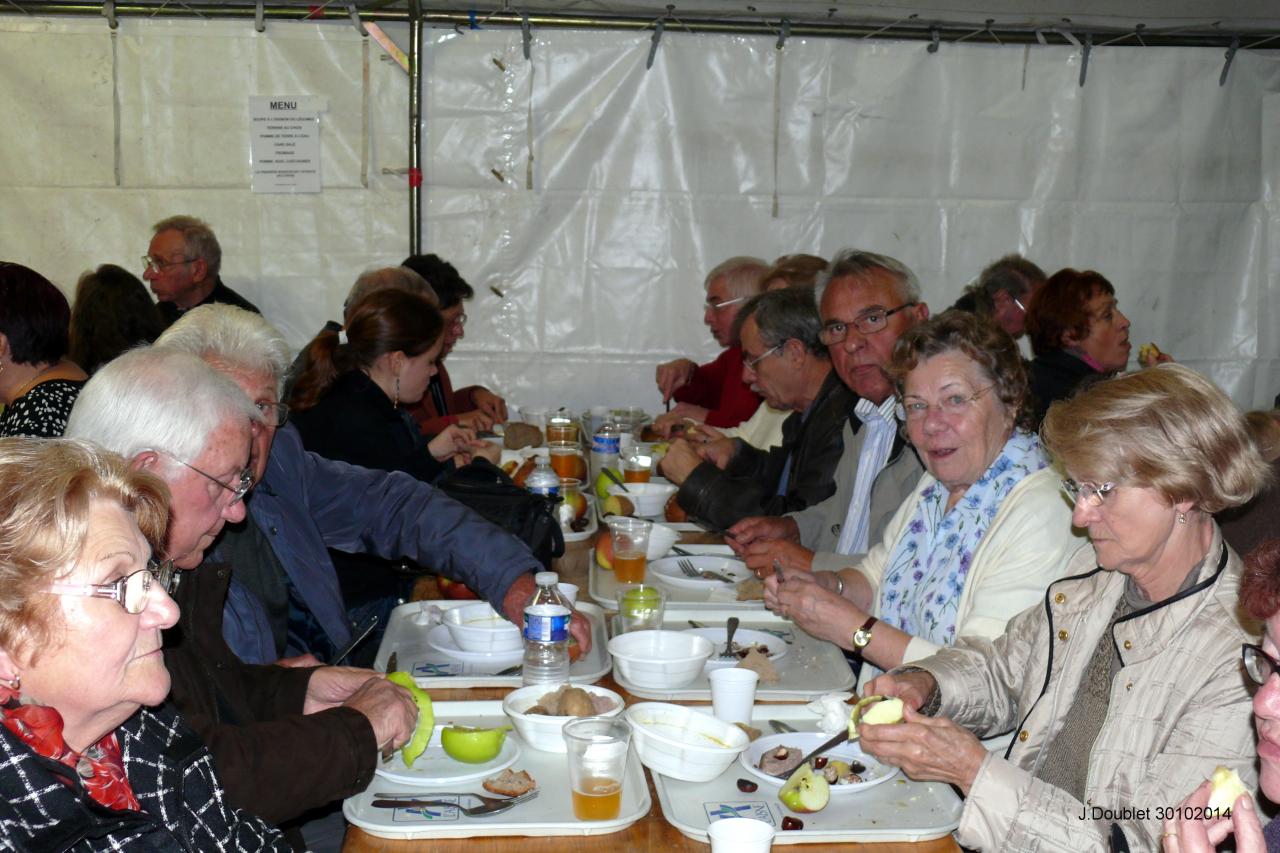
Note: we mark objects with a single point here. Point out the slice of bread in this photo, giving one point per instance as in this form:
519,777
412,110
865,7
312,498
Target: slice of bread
510,783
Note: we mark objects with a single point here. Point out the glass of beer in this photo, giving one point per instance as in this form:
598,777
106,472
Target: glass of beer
630,542
597,748
636,467
567,460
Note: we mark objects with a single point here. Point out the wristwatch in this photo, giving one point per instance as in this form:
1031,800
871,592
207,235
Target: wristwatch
862,636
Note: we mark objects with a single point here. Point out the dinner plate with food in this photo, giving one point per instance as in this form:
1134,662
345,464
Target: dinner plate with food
744,641
847,768
703,572
455,754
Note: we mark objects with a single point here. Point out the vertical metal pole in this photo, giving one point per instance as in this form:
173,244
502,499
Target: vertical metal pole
415,126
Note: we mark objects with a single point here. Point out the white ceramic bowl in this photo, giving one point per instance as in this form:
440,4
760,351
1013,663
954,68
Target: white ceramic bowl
649,498
683,743
660,659
540,731
477,628
661,538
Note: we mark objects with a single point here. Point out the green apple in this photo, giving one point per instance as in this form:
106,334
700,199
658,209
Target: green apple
603,483
426,718
472,746
1226,788
805,792
640,600
876,710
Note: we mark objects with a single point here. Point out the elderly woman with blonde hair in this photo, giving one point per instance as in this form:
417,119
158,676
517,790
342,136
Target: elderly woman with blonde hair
89,765
1125,682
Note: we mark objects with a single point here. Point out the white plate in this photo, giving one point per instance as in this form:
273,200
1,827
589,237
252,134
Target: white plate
667,570
441,640
434,767
743,636
875,774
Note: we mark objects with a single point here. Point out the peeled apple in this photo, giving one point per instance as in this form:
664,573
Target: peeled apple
1226,788
876,710
426,718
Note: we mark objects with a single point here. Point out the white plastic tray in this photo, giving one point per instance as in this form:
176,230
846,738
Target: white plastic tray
899,810
433,668
602,586
550,813
810,668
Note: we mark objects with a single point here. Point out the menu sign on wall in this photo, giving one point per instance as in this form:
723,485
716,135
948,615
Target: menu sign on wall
284,147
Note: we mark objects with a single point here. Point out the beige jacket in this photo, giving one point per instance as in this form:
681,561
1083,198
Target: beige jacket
1179,707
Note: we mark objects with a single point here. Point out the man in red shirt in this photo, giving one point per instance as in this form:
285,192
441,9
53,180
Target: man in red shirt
714,393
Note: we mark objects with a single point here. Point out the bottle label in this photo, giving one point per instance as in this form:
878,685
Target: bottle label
605,443
546,624
548,490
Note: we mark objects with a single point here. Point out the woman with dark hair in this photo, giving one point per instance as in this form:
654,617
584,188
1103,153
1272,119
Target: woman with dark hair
113,312
1077,332
982,534
38,383
347,398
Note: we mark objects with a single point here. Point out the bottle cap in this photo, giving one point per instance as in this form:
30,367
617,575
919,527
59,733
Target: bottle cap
546,578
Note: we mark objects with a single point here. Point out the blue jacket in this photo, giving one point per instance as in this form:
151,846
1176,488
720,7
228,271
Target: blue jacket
307,503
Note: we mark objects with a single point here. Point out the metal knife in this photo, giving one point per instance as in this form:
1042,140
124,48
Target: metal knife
392,663
357,636
781,727
835,741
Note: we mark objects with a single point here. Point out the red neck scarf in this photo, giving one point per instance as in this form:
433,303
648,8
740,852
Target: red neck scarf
100,767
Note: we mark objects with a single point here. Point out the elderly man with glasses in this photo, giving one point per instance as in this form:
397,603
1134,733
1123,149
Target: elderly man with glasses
284,740
714,393
785,362
866,301
182,264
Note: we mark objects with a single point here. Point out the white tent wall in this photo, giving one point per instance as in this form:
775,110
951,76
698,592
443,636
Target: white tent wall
641,180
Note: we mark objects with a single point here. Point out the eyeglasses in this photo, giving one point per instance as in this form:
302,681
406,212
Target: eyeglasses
761,357
1092,493
720,306
157,266
460,320
1258,664
1021,307
869,323
951,406
238,491
131,591
273,414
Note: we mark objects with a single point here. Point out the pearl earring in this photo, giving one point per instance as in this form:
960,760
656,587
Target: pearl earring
1182,518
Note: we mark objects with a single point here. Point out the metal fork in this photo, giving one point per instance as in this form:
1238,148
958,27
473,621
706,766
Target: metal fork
488,806
688,570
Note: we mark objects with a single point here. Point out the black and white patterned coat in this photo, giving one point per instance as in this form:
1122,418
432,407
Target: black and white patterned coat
171,773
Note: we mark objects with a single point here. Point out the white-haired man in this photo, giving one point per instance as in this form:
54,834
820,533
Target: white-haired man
182,265
866,301
284,740
714,393
304,504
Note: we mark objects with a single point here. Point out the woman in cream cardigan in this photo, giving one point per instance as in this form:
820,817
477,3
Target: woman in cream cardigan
983,534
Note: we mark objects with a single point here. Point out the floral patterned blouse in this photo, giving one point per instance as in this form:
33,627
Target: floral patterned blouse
926,572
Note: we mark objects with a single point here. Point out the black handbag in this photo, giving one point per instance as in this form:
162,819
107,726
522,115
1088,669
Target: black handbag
485,488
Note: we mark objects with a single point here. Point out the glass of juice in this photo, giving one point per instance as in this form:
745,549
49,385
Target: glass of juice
636,467
561,426
630,542
567,460
597,748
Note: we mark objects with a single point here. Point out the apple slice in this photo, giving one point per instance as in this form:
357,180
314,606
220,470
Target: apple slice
876,710
805,792
1226,788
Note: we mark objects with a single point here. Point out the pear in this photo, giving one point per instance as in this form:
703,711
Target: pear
805,792
1226,788
426,718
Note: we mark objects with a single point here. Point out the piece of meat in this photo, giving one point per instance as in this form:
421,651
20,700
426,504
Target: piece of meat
780,761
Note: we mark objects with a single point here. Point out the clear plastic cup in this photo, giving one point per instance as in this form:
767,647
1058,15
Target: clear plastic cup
640,607
597,749
630,544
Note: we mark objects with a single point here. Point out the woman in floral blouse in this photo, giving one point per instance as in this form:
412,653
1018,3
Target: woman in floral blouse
982,535
88,763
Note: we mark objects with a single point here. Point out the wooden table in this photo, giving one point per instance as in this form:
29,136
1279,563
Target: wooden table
650,833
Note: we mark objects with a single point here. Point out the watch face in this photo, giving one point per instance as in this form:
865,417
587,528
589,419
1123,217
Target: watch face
861,638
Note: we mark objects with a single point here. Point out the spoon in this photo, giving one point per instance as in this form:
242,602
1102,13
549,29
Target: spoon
728,638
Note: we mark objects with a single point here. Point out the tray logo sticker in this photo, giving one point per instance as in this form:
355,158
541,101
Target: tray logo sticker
429,669
719,810
427,814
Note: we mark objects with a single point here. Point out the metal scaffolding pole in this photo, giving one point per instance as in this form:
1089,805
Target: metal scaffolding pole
415,127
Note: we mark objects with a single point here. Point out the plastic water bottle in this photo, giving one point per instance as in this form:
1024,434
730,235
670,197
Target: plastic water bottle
546,633
605,445
543,480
